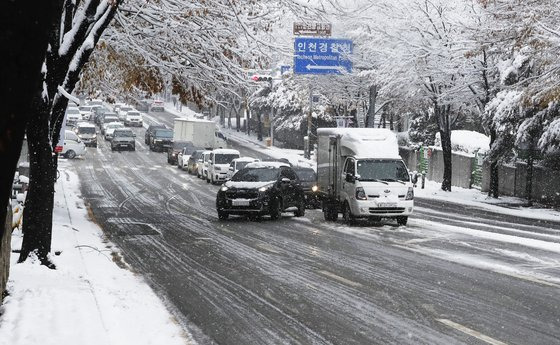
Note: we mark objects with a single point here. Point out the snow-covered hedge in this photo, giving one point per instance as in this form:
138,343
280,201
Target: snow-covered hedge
467,141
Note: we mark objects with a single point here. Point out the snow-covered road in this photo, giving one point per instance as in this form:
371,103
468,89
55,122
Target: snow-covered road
456,274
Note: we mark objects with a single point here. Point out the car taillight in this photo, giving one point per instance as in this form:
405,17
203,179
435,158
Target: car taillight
360,194
410,194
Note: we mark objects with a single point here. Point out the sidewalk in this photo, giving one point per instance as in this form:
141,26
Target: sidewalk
91,298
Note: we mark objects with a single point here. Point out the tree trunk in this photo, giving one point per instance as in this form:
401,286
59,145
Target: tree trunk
446,146
259,127
24,39
529,176
371,109
237,120
37,215
494,190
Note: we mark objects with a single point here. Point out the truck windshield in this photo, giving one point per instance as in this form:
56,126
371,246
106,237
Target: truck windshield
382,169
256,175
224,159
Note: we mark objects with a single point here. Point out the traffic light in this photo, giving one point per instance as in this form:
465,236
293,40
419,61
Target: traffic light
262,78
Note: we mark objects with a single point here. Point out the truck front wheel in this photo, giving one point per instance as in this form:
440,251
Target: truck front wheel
347,212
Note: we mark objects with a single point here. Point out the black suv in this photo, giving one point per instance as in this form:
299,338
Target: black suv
261,188
308,179
161,140
150,131
123,139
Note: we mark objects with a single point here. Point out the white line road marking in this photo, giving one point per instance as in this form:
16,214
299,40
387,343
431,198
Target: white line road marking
141,146
267,248
339,278
157,166
425,251
173,170
471,332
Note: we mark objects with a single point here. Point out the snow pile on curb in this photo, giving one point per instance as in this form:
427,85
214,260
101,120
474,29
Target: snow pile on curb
88,299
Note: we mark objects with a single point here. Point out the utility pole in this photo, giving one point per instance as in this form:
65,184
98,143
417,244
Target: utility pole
307,153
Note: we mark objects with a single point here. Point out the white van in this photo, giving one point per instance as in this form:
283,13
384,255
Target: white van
73,146
238,164
203,165
218,164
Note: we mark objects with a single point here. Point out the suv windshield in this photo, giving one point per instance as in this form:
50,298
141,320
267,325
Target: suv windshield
224,158
72,111
166,134
123,133
125,109
86,130
306,175
133,113
241,164
256,175
381,169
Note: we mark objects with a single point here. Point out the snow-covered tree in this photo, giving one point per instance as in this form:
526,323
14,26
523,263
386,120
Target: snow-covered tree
72,38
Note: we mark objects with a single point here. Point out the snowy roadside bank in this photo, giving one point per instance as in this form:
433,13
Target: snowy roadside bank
91,298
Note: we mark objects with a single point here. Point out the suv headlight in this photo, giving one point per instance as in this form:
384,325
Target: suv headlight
410,194
265,188
314,188
360,194
223,189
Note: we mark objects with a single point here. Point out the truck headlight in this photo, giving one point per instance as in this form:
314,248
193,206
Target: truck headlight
410,194
224,188
315,188
360,194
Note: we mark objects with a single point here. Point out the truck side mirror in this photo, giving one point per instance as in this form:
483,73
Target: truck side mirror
350,178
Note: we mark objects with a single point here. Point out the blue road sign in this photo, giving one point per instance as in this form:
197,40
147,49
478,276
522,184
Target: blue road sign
284,69
322,55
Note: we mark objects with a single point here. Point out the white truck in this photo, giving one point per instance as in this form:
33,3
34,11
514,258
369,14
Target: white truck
361,174
202,134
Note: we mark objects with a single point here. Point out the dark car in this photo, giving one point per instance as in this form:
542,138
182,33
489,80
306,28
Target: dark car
161,140
123,139
308,179
260,189
150,131
192,163
176,148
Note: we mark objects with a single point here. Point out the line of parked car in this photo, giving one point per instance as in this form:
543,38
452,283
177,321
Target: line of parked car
250,186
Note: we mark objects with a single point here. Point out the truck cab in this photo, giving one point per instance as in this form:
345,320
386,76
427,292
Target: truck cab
361,175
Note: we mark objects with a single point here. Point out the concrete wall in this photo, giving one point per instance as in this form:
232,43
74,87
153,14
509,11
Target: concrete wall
461,169
512,182
5,251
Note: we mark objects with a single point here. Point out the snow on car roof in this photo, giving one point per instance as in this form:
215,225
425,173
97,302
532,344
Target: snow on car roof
258,165
86,124
245,159
225,151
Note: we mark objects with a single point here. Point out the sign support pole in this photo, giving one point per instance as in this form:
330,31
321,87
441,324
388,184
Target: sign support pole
309,122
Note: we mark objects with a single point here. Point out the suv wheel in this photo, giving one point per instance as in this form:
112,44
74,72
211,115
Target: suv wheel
402,220
275,209
330,212
301,208
223,215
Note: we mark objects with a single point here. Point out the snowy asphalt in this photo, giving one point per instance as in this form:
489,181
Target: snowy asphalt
454,275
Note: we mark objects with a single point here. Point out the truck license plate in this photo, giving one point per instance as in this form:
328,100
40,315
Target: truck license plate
240,202
387,204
